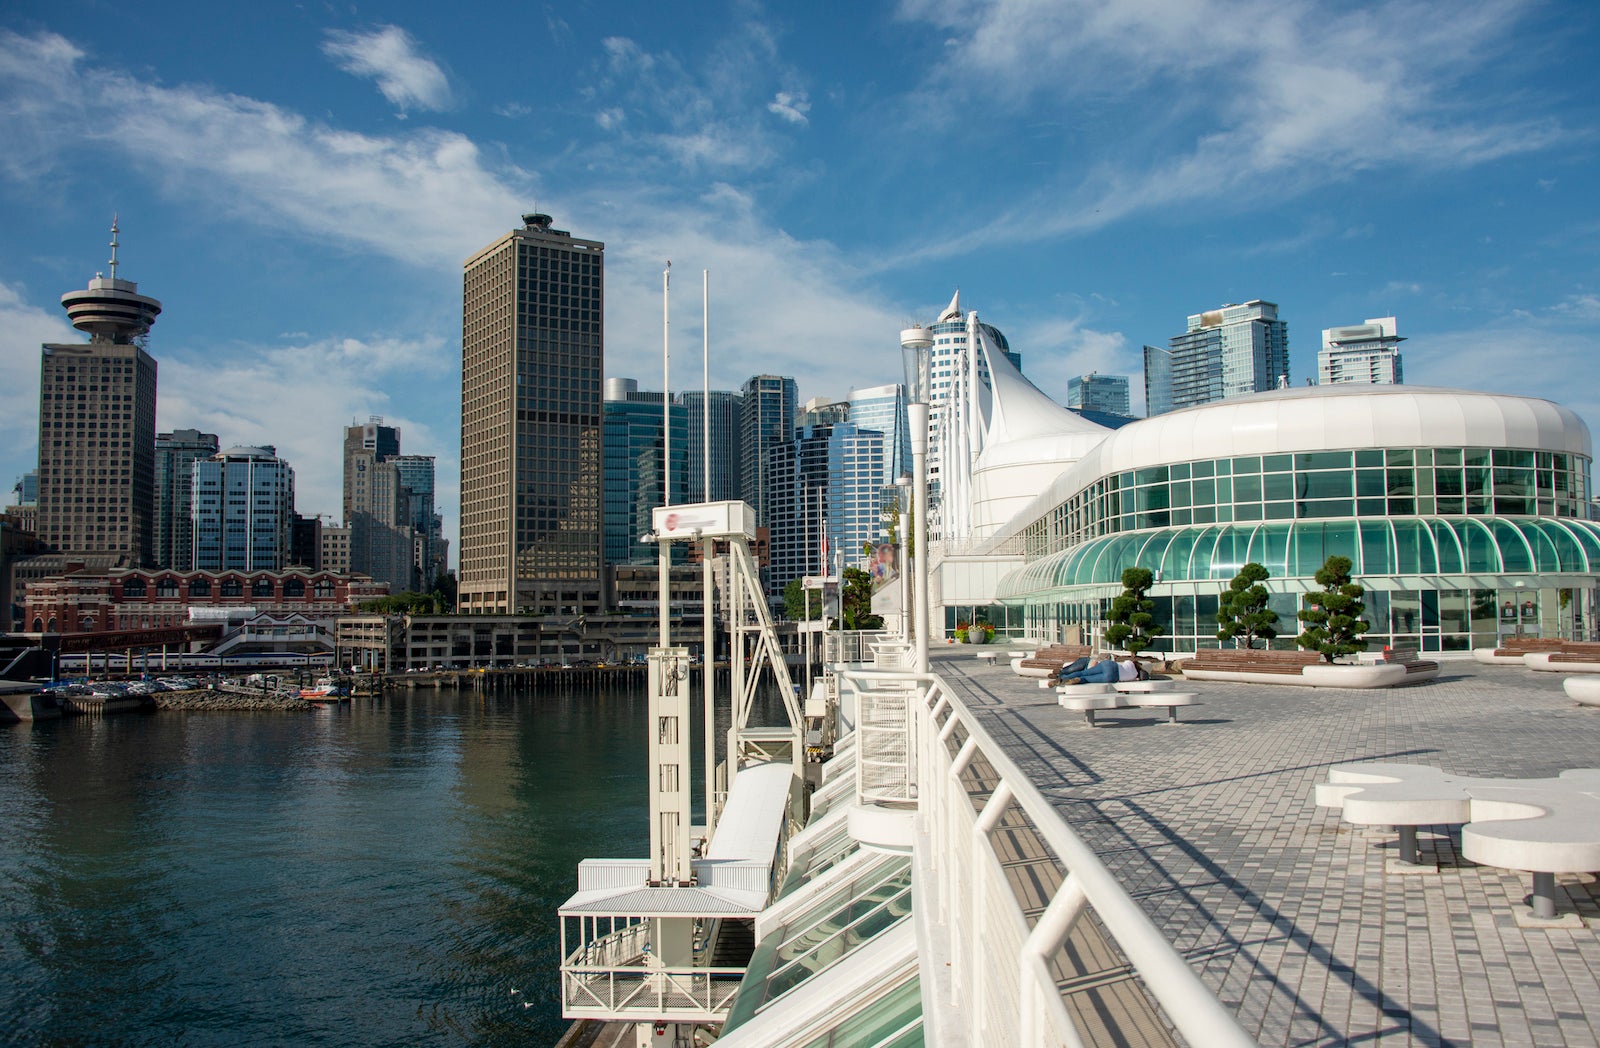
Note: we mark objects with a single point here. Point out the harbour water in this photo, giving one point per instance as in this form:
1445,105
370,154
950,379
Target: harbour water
379,874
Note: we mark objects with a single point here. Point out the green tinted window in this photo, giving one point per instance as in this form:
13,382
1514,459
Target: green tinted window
1377,549
1276,486
1325,485
1269,547
1322,460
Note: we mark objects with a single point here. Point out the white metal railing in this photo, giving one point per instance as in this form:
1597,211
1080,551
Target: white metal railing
850,646
696,994
885,764
1000,978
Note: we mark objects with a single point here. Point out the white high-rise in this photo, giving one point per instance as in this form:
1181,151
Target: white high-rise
1367,354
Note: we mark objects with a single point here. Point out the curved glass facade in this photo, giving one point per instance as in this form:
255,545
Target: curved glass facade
1394,547
1456,546
1320,485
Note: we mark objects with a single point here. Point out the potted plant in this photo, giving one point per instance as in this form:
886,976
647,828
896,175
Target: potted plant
963,632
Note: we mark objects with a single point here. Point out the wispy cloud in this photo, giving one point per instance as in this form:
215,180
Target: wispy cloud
705,116
791,106
1271,98
1582,306
259,161
388,55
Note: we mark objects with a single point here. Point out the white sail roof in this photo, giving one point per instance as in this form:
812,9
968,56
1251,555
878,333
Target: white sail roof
1029,440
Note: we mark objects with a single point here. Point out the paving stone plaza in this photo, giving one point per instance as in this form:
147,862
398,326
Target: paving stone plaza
1300,922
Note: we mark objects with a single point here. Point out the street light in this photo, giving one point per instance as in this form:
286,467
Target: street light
916,344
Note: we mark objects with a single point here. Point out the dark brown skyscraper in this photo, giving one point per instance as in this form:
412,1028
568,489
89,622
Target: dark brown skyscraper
532,352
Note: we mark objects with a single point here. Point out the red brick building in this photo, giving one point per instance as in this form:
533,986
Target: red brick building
86,601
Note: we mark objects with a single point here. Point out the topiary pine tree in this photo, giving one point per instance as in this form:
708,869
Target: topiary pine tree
1133,626
1242,610
1333,616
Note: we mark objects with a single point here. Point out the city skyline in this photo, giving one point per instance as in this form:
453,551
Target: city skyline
301,191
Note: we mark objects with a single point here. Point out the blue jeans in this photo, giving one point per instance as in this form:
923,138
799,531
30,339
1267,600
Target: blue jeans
1104,672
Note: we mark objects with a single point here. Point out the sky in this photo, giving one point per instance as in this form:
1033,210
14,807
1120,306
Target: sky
299,185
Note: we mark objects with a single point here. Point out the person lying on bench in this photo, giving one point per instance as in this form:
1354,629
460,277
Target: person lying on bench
1106,671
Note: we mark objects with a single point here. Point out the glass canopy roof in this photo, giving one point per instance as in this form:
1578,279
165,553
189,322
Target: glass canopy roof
1396,546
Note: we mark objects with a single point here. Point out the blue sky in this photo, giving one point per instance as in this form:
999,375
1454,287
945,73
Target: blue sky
299,185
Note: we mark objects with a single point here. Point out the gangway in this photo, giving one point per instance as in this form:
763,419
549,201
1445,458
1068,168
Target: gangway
640,936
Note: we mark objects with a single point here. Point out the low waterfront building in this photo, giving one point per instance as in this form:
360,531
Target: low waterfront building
1463,513
86,600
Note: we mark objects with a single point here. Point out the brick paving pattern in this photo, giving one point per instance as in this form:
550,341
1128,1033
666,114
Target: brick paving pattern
1294,918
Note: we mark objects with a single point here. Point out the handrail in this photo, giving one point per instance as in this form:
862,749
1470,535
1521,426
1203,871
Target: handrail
980,913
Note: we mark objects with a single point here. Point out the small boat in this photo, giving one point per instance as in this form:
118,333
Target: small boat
327,689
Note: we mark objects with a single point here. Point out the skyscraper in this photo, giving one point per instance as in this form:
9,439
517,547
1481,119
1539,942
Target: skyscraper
532,352
97,427
724,471
1225,352
1097,392
378,506
243,510
633,474
176,454
1363,353
430,558
766,420
883,408
826,488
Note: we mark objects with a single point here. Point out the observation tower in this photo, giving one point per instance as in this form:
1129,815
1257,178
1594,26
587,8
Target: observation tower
111,310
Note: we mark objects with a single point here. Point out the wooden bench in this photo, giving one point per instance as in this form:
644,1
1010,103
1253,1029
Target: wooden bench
1572,656
1416,669
1512,649
1047,662
1251,660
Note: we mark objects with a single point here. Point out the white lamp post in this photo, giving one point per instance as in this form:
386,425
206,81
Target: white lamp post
915,346
902,485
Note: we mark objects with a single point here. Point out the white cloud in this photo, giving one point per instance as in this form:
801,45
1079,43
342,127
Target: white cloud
609,118
428,197
1583,306
791,106
388,55
1272,97
23,329
261,395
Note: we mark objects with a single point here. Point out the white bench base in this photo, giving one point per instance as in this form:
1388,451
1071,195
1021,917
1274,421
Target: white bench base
1115,700
1377,675
1585,691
